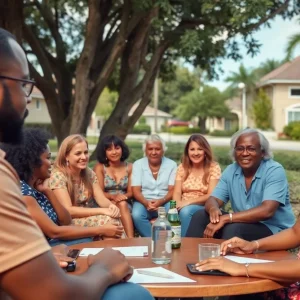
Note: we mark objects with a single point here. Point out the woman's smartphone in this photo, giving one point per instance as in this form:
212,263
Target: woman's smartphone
192,269
73,253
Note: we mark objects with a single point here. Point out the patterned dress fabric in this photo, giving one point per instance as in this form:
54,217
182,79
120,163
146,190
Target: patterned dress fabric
42,201
59,181
192,186
113,187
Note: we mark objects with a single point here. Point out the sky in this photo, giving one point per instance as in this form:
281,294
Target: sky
273,40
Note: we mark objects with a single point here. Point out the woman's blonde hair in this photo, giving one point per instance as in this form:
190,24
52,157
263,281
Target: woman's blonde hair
208,157
61,164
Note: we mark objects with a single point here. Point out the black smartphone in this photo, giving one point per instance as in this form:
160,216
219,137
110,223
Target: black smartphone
192,269
73,253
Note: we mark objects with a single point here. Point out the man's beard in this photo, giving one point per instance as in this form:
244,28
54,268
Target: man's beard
10,122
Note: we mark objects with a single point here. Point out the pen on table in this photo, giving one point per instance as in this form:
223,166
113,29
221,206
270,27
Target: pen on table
154,274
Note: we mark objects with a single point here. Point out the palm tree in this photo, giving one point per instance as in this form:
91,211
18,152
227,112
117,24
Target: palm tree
247,76
293,43
267,67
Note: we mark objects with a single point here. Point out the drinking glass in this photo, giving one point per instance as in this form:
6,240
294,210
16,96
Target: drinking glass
207,250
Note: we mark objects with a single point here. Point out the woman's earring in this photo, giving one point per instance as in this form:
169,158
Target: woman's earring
67,163
106,158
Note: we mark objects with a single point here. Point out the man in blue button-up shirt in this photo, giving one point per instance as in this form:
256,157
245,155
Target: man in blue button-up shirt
257,188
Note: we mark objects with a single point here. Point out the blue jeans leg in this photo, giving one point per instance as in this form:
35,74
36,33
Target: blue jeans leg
186,214
141,217
126,291
56,242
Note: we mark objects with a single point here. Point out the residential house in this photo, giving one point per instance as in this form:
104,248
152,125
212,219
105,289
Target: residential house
38,114
232,122
282,85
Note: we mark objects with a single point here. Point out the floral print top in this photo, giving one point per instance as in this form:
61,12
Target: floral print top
58,180
113,187
42,201
193,186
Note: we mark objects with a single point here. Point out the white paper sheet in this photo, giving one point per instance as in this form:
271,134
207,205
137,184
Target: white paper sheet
141,278
127,251
244,260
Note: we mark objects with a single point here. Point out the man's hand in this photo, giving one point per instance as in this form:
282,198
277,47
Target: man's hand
238,246
60,254
222,264
214,214
115,264
211,229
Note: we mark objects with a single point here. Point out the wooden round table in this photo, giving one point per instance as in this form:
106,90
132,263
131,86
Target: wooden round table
205,286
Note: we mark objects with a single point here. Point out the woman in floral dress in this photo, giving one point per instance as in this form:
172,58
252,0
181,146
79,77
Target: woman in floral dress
77,188
114,175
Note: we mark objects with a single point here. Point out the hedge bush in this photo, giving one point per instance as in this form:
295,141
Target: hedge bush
292,130
222,132
141,129
184,130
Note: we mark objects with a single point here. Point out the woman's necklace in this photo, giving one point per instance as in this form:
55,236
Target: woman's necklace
155,171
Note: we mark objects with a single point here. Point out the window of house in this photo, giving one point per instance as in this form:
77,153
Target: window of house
294,115
37,104
295,92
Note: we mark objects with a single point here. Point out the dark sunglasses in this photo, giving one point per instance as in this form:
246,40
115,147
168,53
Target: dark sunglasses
27,85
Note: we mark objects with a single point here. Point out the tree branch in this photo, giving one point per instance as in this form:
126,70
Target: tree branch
50,21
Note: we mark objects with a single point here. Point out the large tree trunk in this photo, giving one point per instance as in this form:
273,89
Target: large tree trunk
202,124
11,17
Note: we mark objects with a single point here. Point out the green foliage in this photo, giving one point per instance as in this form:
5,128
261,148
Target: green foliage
222,132
47,127
183,130
106,103
289,160
262,109
170,91
142,120
208,103
292,130
141,129
293,43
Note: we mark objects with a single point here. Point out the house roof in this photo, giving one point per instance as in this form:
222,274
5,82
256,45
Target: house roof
150,112
289,72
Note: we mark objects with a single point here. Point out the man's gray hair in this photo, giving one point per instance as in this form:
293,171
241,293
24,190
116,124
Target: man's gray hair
152,139
264,143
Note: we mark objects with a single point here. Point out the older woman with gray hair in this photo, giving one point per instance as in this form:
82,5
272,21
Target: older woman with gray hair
152,182
257,188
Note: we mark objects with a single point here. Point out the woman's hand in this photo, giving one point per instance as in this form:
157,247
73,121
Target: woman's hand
182,204
115,231
238,246
222,264
120,197
214,214
42,185
115,212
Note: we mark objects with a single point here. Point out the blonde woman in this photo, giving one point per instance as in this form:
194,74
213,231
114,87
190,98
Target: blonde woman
77,188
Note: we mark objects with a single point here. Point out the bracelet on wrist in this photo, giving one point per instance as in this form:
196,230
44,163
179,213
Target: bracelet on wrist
230,217
257,244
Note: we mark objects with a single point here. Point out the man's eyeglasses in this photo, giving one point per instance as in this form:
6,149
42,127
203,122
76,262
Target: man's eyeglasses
26,84
249,149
